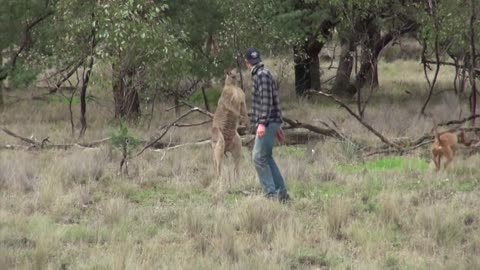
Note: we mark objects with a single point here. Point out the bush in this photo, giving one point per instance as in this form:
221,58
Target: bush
23,76
213,95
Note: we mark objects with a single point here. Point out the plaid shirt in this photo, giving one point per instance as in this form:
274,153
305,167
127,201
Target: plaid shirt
266,102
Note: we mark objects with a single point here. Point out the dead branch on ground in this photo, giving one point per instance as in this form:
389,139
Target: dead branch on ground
13,134
370,128
43,144
148,145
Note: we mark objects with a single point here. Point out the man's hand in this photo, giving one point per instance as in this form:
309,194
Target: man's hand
280,135
261,130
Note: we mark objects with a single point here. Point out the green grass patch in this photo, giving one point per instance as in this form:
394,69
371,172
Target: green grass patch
81,233
467,185
290,151
316,192
387,164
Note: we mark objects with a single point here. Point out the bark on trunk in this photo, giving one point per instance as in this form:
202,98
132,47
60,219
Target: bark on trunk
127,102
307,66
342,85
303,80
83,101
371,67
2,103
473,99
369,57
313,49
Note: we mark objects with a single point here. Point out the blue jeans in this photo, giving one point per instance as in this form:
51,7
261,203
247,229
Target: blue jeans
267,170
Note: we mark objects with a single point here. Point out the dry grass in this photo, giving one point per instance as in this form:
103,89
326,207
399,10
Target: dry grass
72,210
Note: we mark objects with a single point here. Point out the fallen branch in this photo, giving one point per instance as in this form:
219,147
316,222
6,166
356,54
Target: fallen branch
426,139
183,145
11,133
194,124
322,131
195,109
370,128
291,138
44,145
461,121
292,124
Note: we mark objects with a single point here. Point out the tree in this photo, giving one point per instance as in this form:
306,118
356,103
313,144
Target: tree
134,36
372,25
18,19
305,26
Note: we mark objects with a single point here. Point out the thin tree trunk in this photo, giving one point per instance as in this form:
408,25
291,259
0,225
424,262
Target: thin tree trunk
70,103
83,95
473,61
85,81
463,77
455,79
2,102
437,58
205,100
239,67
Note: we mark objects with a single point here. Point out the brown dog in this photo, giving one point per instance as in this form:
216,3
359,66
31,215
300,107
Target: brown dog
445,145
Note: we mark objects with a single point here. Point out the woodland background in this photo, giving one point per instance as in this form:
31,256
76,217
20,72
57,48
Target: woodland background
105,113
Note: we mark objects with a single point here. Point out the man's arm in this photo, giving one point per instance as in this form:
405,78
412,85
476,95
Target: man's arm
266,100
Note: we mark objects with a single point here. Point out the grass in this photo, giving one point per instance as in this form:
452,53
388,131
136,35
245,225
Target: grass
400,164
71,209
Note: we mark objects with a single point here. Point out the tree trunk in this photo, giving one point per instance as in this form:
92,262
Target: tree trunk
303,80
369,57
83,95
342,85
369,69
127,102
313,49
176,102
307,66
473,65
2,103
205,99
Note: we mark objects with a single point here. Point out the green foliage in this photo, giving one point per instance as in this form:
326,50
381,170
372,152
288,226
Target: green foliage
23,76
212,94
122,139
388,164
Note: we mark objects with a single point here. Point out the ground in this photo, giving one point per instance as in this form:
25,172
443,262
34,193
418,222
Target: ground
71,209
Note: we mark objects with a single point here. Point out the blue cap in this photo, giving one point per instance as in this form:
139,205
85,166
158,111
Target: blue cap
253,56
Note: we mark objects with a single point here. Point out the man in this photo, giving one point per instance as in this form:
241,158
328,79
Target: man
267,121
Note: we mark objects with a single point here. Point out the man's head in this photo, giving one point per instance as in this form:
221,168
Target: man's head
252,57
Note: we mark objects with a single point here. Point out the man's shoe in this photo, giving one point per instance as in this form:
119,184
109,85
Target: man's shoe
284,198
272,196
